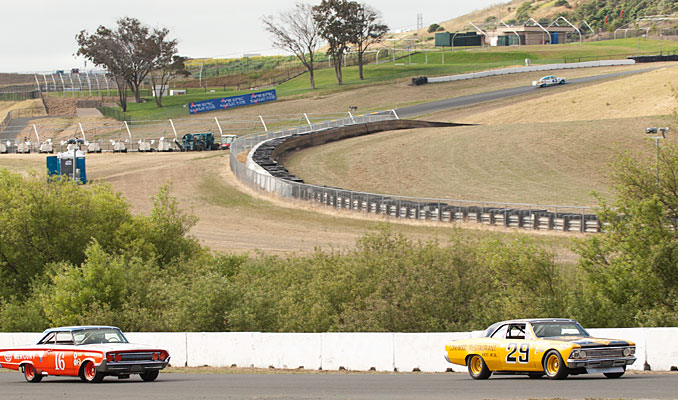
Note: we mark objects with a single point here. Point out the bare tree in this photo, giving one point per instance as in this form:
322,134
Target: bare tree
129,52
368,30
336,21
296,31
167,67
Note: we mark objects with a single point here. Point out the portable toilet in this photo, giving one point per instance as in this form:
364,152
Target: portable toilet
554,38
65,164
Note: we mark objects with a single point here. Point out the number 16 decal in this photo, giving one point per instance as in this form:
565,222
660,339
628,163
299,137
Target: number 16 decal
523,353
59,361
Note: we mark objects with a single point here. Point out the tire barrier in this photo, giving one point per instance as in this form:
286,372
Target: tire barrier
659,58
421,80
265,170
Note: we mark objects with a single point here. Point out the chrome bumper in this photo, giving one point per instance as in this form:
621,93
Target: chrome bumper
131,367
600,362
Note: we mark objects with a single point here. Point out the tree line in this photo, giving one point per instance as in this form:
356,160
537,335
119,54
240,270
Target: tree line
73,255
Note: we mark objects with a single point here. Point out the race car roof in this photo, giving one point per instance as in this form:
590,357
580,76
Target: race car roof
490,330
78,328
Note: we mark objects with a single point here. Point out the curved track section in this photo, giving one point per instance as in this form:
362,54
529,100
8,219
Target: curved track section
270,148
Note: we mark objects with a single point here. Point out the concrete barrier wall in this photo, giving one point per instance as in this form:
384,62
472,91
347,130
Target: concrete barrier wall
656,349
534,68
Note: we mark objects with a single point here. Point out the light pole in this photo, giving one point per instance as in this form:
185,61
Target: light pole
655,131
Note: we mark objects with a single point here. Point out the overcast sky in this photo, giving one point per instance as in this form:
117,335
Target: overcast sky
39,35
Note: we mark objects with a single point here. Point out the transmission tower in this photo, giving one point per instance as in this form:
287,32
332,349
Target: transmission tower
420,21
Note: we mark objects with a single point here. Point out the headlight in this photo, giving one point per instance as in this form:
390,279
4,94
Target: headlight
582,353
574,354
627,352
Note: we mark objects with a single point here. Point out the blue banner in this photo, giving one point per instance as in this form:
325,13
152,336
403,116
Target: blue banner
225,103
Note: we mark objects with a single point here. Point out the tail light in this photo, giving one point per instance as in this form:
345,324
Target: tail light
163,355
118,357
155,357
109,357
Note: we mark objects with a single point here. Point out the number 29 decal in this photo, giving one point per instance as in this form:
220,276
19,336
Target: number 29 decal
523,353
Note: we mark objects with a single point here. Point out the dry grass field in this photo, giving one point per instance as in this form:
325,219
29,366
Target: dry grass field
7,106
231,217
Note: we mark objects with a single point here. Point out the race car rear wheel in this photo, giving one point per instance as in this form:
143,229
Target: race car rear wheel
554,367
477,367
149,376
30,374
89,374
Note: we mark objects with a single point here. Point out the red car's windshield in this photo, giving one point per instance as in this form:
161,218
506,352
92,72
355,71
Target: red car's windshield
99,335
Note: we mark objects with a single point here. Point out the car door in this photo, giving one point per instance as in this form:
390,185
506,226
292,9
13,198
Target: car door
515,352
59,357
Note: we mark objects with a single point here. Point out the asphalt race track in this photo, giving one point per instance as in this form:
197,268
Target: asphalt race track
425,108
343,386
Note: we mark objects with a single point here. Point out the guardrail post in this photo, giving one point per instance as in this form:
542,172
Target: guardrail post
263,123
308,121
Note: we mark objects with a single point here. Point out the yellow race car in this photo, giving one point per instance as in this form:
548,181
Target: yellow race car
536,347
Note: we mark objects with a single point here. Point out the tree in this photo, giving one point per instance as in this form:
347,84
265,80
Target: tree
168,67
296,31
336,23
130,52
632,269
368,30
433,28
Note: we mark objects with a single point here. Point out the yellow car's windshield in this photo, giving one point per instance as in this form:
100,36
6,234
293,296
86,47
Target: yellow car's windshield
558,329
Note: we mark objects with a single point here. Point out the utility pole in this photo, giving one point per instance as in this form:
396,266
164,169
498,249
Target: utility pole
654,131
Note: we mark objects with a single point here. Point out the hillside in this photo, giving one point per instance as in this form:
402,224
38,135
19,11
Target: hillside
576,11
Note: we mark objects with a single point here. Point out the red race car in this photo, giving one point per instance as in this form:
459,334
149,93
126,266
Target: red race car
90,352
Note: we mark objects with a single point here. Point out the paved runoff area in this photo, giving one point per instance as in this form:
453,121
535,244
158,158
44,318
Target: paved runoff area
345,386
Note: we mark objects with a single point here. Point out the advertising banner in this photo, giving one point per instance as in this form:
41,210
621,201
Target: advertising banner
225,103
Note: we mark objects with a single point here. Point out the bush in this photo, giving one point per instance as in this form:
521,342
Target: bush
47,221
433,28
389,283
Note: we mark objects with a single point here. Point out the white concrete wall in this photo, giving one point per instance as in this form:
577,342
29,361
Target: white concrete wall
404,352
534,68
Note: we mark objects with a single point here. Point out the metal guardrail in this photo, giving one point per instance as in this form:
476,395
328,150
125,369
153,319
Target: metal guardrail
514,215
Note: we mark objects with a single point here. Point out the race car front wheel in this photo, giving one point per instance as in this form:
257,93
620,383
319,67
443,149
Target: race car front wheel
614,375
88,373
30,374
554,367
477,367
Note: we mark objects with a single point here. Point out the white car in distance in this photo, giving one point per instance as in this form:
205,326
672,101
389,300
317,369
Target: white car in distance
548,81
